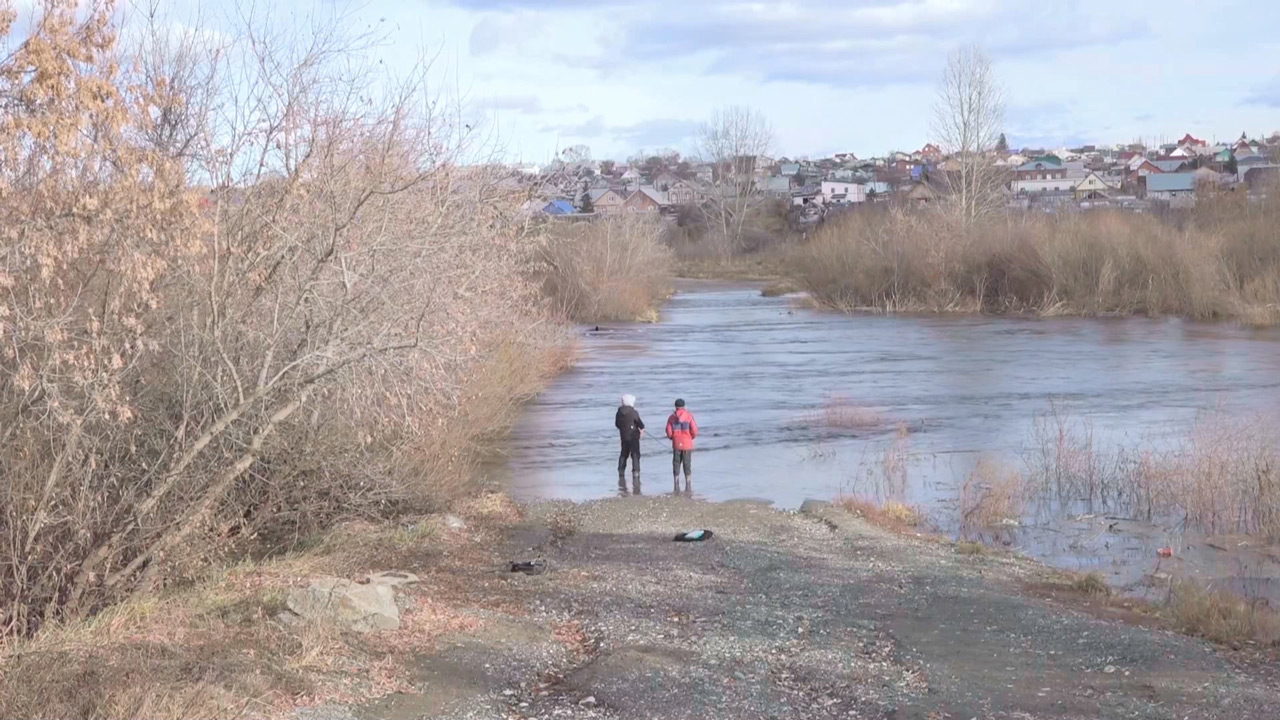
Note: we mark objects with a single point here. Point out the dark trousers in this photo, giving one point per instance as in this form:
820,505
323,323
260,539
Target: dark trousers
682,458
630,448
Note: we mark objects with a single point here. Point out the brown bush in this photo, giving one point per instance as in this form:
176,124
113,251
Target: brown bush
1221,263
225,329
992,494
614,268
841,413
1222,616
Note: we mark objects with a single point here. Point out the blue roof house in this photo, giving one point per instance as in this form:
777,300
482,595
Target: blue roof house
559,207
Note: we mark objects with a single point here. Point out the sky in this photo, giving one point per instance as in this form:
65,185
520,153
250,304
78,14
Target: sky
855,76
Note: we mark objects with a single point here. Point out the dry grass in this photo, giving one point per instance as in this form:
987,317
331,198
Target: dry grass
892,515
1222,477
1091,584
610,269
1222,263
841,413
212,650
780,287
991,495
967,547
1221,616
768,265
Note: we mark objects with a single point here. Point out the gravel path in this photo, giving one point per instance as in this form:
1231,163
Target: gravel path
799,615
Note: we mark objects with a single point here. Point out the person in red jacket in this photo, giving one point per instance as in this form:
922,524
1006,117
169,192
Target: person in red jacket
682,429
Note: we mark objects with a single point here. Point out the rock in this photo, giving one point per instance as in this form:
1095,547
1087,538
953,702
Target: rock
588,701
288,618
813,507
392,578
349,605
1109,669
453,522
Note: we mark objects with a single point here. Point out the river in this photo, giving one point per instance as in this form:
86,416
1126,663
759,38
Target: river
759,372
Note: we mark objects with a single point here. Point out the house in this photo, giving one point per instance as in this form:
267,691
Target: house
606,201
928,153
776,186
1191,141
1157,167
559,207
877,191
645,199
1039,186
834,191
705,174
1244,165
682,192
1092,187
1170,186
807,195
664,180
789,169
1045,167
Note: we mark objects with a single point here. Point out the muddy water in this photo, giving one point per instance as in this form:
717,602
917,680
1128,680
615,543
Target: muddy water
758,374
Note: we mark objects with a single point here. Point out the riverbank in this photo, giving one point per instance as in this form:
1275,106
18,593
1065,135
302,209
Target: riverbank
811,614
781,614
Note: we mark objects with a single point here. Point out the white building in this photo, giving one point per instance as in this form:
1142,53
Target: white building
836,191
1032,187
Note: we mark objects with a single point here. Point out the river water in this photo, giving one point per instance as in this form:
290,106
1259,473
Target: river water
759,373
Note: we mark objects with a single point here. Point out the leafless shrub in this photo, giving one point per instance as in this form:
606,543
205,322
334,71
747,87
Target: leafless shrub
614,268
1091,584
1219,265
992,494
323,323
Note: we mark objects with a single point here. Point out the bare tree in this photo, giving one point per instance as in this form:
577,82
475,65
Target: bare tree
968,120
235,289
733,140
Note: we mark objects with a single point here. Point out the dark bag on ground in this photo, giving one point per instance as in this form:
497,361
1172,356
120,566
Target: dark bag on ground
694,536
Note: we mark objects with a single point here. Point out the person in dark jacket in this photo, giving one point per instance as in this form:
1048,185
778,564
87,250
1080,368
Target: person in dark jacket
630,428
682,430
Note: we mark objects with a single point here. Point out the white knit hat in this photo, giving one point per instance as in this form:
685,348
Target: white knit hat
629,400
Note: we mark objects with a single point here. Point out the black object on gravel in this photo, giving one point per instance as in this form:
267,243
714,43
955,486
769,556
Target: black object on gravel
529,567
694,536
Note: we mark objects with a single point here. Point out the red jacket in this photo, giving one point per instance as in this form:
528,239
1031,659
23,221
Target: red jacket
682,429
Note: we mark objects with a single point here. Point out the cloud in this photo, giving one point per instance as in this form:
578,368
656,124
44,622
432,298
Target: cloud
532,105
658,132
863,44
592,128
1267,94
520,103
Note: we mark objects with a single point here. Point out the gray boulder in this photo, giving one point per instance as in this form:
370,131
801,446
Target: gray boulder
348,605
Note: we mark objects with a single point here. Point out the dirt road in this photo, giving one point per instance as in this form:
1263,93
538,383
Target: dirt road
797,615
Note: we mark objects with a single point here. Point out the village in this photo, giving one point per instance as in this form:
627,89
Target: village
1134,177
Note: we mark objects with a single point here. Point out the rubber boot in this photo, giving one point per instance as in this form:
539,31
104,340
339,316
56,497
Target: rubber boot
688,485
675,485
622,483
635,483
